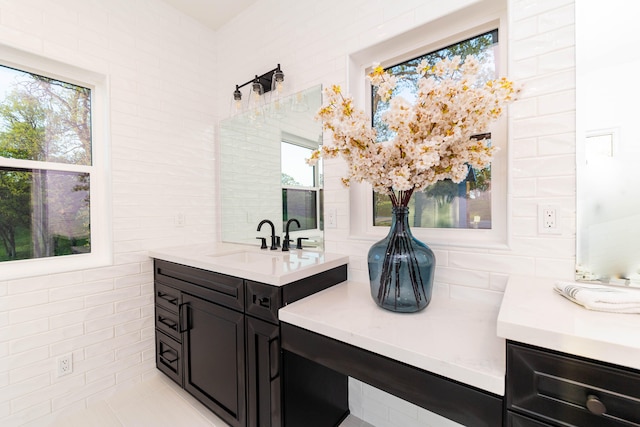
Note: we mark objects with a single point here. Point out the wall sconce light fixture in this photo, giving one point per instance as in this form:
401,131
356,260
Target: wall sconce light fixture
271,80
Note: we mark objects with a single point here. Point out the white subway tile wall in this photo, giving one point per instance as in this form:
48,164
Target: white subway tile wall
170,80
160,66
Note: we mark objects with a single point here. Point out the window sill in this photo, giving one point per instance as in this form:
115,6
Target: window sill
20,269
427,237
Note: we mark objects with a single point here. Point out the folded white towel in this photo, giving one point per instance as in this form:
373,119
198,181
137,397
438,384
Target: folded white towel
599,297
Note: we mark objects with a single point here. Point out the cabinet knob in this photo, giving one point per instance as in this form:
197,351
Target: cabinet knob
595,406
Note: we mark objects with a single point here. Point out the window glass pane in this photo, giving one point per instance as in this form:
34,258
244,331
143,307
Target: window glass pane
44,119
444,204
43,213
295,170
301,205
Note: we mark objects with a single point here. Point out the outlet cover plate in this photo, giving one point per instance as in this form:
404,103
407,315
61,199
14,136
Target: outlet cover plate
549,219
65,364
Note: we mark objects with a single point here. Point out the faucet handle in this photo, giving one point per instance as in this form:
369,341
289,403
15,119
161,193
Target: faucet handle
264,242
299,242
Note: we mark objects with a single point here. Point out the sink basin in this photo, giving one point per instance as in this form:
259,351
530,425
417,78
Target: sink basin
246,257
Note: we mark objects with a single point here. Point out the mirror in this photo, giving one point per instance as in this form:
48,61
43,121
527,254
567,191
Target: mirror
607,146
263,173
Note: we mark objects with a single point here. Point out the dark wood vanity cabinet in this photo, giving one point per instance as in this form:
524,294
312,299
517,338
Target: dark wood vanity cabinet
547,388
200,336
218,337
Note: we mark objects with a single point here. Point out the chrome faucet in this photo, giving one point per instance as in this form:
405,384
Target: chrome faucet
274,245
285,242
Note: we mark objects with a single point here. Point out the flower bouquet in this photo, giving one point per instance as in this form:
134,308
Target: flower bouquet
433,141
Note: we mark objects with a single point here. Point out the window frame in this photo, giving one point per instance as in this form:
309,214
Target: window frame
447,31
100,207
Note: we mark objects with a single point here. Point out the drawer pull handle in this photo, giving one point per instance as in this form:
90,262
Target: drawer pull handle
169,298
185,318
168,323
173,354
595,405
274,358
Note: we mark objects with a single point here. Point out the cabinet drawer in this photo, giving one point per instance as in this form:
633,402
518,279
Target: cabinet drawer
167,297
169,357
225,290
168,323
565,390
263,301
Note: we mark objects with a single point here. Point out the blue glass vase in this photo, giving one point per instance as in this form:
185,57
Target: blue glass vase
401,268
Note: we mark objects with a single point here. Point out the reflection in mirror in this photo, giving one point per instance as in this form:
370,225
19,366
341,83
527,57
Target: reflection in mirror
263,173
301,183
607,146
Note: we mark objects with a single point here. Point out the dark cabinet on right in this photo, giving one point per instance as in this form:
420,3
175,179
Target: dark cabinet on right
264,366
547,388
264,363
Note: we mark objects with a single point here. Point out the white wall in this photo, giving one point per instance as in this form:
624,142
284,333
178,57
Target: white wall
164,94
160,66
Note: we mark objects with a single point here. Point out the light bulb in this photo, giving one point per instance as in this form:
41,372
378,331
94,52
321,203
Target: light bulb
236,102
237,106
277,84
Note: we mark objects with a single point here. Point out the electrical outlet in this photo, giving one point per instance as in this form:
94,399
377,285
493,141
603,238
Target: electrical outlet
65,364
331,218
549,219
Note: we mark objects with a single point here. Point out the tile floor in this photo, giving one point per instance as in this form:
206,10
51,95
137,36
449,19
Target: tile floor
157,402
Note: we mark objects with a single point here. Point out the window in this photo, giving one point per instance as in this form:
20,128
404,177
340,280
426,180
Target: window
474,213
301,192
444,204
51,172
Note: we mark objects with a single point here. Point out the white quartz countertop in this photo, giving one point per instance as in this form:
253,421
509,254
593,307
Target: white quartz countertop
452,337
250,262
533,313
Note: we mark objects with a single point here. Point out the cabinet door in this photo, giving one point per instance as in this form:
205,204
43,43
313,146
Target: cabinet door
214,368
263,371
